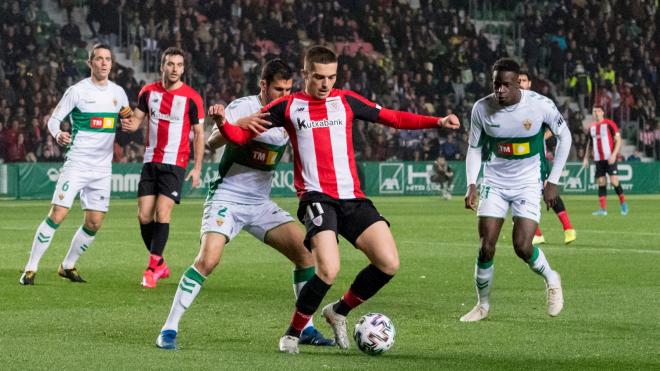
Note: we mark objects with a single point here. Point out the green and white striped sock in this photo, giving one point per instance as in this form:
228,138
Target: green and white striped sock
40,243
483,280
81,241
189,286
300,278
539,264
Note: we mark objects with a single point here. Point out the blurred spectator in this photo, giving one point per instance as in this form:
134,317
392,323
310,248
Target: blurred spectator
634,157
443,175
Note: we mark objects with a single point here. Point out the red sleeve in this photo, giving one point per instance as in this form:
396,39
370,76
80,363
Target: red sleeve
236,134
613,126
365,109
406,120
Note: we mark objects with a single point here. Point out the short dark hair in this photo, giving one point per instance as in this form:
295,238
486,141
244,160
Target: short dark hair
320,54
172,50
506,64
524,72
100,46
276,68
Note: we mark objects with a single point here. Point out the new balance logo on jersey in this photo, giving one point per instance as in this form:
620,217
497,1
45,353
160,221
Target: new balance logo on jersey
300,109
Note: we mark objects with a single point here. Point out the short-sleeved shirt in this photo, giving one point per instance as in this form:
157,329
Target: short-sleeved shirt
602,136
171,116
511,138
245,173
93,113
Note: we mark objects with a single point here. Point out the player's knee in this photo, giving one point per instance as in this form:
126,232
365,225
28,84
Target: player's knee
391,266
327,273
144,217
206,265
93,224
523,251
57,214
162,215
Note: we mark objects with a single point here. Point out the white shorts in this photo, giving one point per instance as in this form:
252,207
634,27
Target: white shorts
229,218
524,202
94,188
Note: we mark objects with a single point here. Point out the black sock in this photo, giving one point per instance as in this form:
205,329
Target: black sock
159,238
147,231
618,190
366,284
309,299
602,191
559,206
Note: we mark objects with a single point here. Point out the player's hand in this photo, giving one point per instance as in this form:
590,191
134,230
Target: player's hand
127,125
550,194
256,122
217,114
195,175
585,162
611,160
471,197
449,122
63,138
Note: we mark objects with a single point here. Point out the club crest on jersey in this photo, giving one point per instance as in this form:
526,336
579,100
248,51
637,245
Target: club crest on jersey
114,101
527,124
60,196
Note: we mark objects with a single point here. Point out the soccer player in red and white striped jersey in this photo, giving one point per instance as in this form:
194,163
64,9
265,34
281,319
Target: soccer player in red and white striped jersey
174,109
319,121
606,142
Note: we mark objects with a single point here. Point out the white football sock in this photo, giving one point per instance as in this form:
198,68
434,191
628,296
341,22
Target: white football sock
42,239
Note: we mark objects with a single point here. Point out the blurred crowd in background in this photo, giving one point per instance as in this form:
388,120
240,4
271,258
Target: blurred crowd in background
429,57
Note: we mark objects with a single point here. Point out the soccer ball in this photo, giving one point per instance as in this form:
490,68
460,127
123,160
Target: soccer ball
374,333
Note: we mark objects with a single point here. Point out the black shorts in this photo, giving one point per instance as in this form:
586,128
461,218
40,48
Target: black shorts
348,218
163,179
603,167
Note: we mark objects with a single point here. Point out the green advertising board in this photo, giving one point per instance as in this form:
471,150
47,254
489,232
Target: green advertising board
37,180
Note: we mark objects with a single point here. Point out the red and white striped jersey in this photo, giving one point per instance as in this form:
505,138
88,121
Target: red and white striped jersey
320,131
171,114
602,137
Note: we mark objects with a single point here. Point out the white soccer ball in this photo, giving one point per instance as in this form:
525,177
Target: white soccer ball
374,333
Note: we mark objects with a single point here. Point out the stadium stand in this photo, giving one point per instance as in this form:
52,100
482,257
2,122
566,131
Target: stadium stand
423,56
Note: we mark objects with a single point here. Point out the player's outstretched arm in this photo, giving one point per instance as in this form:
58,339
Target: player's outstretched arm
216,140
232,133
132,121
413,121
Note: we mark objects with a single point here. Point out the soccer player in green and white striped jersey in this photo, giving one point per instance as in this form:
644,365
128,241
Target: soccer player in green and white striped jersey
94,106
507,130
239,198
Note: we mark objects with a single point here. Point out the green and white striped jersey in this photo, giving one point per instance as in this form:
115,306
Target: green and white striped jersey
245,173
511,138
93,115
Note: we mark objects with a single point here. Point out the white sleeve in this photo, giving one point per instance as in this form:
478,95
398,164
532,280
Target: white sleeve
561,155
473,157
476,127
472,165
54,126
553,119
123,98
66,105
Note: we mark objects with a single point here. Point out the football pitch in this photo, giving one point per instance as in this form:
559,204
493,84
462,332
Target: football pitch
610,279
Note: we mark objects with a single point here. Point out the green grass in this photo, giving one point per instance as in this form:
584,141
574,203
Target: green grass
610,277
